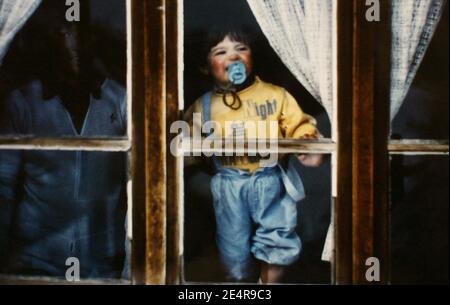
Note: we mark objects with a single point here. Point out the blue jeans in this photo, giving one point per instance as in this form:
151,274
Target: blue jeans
256,218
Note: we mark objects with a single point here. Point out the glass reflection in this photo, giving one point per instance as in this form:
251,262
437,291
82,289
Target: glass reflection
57,205
64,78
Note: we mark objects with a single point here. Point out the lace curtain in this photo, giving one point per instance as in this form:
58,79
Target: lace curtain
13,15
300,32
413,26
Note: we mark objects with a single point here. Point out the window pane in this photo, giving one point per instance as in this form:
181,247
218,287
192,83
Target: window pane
419,220
424,113
223,236
65,78
247,213
200,17
63,205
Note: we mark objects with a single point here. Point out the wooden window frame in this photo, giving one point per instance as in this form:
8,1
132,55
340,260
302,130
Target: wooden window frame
362,149
362,204
146,88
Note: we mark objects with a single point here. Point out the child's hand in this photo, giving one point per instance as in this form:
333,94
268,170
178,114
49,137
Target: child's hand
310,160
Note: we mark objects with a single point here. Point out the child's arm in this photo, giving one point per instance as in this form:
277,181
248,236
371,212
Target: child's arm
296,124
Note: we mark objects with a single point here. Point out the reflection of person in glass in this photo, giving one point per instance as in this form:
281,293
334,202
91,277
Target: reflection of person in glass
255,206
64,203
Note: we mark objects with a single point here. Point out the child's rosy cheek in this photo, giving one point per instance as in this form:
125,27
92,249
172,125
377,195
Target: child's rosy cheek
249,63
216,66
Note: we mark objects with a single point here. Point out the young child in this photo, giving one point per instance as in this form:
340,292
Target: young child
255,207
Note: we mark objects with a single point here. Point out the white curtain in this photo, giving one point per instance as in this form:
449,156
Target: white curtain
413,26
301,33
13,15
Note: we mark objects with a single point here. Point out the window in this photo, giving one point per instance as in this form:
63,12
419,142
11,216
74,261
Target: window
363,219
361,203
367,181
201,252
419,180
65,164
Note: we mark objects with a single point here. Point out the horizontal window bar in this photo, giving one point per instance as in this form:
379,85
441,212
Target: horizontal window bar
418,147
282,146
68,144
310,146
30,280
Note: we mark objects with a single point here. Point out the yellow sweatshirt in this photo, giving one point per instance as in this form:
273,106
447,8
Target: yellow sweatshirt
261,102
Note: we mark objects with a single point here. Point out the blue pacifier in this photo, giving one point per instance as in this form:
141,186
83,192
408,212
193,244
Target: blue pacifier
237,73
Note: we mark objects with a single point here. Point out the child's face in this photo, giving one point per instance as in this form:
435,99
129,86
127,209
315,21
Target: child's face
225,53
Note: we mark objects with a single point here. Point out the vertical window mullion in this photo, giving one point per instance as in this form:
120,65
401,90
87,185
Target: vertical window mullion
149,142
173,167
343,202
371,60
